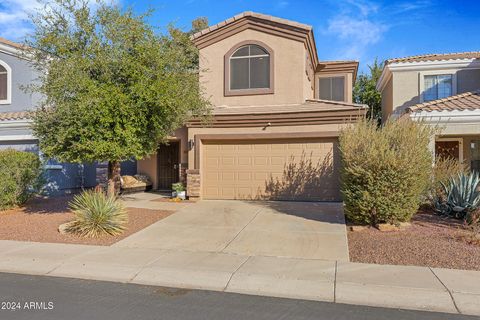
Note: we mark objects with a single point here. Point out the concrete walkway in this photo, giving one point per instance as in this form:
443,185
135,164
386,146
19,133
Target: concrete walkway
281,249
420,288
307,230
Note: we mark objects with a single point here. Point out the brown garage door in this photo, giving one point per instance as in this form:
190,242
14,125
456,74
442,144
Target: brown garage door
286,169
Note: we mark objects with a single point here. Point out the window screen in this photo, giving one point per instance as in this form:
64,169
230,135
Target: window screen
250,68
332,88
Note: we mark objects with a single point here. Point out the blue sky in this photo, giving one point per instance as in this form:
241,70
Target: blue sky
359,30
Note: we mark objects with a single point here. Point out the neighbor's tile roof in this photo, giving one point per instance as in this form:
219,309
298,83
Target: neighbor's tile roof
11,43
436,56
463,101
253,15
14,115
307,106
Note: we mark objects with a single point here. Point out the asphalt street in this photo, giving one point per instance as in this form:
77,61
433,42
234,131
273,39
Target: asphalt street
50,298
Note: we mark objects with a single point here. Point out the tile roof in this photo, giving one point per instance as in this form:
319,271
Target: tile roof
14,115
253,15
463,101
436,57
307,106
11,43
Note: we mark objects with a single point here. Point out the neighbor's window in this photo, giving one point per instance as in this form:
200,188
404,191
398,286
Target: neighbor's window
250,68
332,88
437,87
3,83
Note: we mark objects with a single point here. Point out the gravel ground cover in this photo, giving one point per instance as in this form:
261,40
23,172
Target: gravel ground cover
39,219
431,241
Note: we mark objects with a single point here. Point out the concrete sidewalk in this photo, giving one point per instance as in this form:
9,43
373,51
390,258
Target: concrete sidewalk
406,287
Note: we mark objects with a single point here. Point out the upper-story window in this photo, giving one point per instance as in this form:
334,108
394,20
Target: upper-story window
249,70
5,83
331,88
437,86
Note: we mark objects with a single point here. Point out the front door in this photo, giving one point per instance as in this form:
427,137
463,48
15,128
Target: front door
168,165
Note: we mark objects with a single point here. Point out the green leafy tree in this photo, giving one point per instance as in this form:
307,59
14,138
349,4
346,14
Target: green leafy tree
365,91
113,88
199,24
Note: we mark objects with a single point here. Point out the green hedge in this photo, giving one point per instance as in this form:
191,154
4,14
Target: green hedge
386,171
20,174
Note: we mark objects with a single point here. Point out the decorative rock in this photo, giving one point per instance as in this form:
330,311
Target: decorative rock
387,227
405,225
357,228
63,228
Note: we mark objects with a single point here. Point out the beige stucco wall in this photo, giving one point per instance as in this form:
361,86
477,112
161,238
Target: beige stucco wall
387,100
407,88
289,70
308,77
148,167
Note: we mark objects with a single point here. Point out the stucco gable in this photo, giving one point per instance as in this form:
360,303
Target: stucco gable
259,22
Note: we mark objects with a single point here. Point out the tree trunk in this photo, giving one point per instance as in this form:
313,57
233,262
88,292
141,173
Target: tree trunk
113,178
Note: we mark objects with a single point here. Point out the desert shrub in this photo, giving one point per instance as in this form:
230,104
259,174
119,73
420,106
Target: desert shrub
97,214
20,174
385,170
444,169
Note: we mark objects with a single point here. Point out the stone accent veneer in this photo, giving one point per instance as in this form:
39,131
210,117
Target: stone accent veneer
193,184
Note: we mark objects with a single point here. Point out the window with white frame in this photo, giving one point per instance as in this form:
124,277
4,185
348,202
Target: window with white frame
3,83
331,88
437,86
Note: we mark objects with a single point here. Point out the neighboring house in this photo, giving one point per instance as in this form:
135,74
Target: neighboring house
439,89
15,131
277,113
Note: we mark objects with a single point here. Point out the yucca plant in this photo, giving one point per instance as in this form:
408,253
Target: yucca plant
97,214
462,194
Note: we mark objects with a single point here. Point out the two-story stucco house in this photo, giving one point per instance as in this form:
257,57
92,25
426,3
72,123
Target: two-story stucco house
277,112
439,89
15,131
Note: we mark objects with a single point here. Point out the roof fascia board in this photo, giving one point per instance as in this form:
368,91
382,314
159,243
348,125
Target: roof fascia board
437,64
384,78
443,117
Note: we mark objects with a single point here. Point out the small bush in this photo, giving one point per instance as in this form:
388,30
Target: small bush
20,174
178,187
443,170
385,170
97,214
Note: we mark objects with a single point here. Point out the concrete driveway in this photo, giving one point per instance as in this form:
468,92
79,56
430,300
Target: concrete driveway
310,230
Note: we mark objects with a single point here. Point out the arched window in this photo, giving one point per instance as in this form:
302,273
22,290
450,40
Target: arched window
249,70
5,83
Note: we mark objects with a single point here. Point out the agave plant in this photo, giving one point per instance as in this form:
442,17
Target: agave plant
462,194
97,214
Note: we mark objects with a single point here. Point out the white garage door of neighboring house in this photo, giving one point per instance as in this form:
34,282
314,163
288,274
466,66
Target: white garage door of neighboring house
276,169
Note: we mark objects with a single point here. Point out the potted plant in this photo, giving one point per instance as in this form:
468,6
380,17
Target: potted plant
178,190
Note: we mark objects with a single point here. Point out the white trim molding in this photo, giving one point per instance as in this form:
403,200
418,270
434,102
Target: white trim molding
18,137
446,117
9,83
